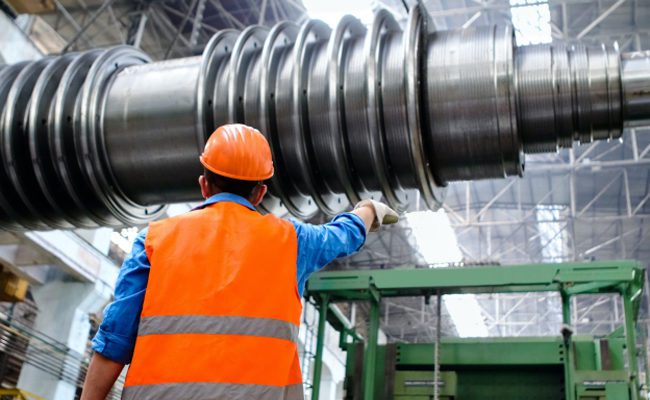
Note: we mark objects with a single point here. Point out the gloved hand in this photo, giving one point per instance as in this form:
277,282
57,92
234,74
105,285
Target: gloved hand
384,215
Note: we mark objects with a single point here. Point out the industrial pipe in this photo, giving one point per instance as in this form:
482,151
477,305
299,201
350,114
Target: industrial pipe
103,138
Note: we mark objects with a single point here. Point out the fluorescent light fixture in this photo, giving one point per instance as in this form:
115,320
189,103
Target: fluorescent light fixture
532,21
436,241
331,11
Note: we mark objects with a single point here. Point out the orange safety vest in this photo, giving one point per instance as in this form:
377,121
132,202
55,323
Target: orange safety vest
221,313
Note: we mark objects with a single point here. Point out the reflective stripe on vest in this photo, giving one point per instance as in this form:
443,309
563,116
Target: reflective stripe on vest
212,391
223,325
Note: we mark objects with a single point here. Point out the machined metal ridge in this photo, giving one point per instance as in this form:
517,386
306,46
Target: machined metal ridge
302,203
51,197
512,154
320,139
10,215
87,142
280,37
219,91
292,114
92,151
249,41
578,58
614,70
561,82
414,43
635,87
216,51
354,116
317,139
393,116
15,157
307,91
546,82
383,22
348,27
245,98
67,168
533,96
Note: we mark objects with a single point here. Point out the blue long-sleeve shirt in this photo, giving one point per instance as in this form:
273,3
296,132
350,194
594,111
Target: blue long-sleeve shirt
318,245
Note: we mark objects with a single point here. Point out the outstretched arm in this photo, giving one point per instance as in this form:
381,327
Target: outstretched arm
102,374
367,215
318,245
375,214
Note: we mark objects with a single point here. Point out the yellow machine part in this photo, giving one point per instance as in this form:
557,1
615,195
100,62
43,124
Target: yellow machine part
18,394
32,6
12,287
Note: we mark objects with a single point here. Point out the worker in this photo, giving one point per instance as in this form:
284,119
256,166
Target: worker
208,303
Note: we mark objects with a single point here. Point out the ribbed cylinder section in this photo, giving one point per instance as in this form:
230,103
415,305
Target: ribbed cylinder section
567,94
54,168
150,131
473,131
103,138
636,88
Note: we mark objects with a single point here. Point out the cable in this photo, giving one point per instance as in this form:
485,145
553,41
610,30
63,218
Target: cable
437,381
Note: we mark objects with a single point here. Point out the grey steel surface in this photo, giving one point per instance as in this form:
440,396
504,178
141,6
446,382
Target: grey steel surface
351,112
636,98
39,115
61,137
154,158
14,150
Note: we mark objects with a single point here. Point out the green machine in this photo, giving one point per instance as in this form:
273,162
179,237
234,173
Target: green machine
568,366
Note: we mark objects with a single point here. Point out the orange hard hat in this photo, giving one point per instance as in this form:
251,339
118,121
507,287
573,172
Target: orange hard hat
238,151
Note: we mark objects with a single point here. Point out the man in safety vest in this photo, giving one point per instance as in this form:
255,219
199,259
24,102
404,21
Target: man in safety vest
207,305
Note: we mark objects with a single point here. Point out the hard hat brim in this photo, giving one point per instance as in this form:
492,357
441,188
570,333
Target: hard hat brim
235,176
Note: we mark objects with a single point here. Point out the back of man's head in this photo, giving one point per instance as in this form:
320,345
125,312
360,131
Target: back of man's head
236,159
220,184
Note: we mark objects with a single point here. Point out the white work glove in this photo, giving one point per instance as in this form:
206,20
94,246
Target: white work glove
384,215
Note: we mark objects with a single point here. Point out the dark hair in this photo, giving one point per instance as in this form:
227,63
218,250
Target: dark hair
235,186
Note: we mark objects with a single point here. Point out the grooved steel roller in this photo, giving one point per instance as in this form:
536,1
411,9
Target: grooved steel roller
106,137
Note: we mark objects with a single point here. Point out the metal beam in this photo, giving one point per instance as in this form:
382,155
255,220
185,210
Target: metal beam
222,11
93,18
136,32
180,29
203,24
600,19
196,23
486,279
64,12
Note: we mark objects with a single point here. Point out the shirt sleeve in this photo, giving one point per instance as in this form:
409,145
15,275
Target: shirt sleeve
318,245
116,336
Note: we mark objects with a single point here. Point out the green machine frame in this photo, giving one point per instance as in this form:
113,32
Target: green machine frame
625,278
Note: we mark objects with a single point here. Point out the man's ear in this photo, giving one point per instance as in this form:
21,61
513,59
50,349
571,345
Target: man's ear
205,187
258,193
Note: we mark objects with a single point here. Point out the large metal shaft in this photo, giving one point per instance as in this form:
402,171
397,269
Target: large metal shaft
103,138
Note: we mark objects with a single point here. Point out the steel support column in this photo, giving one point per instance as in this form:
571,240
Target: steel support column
323,308
370,350
567,332
629,295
